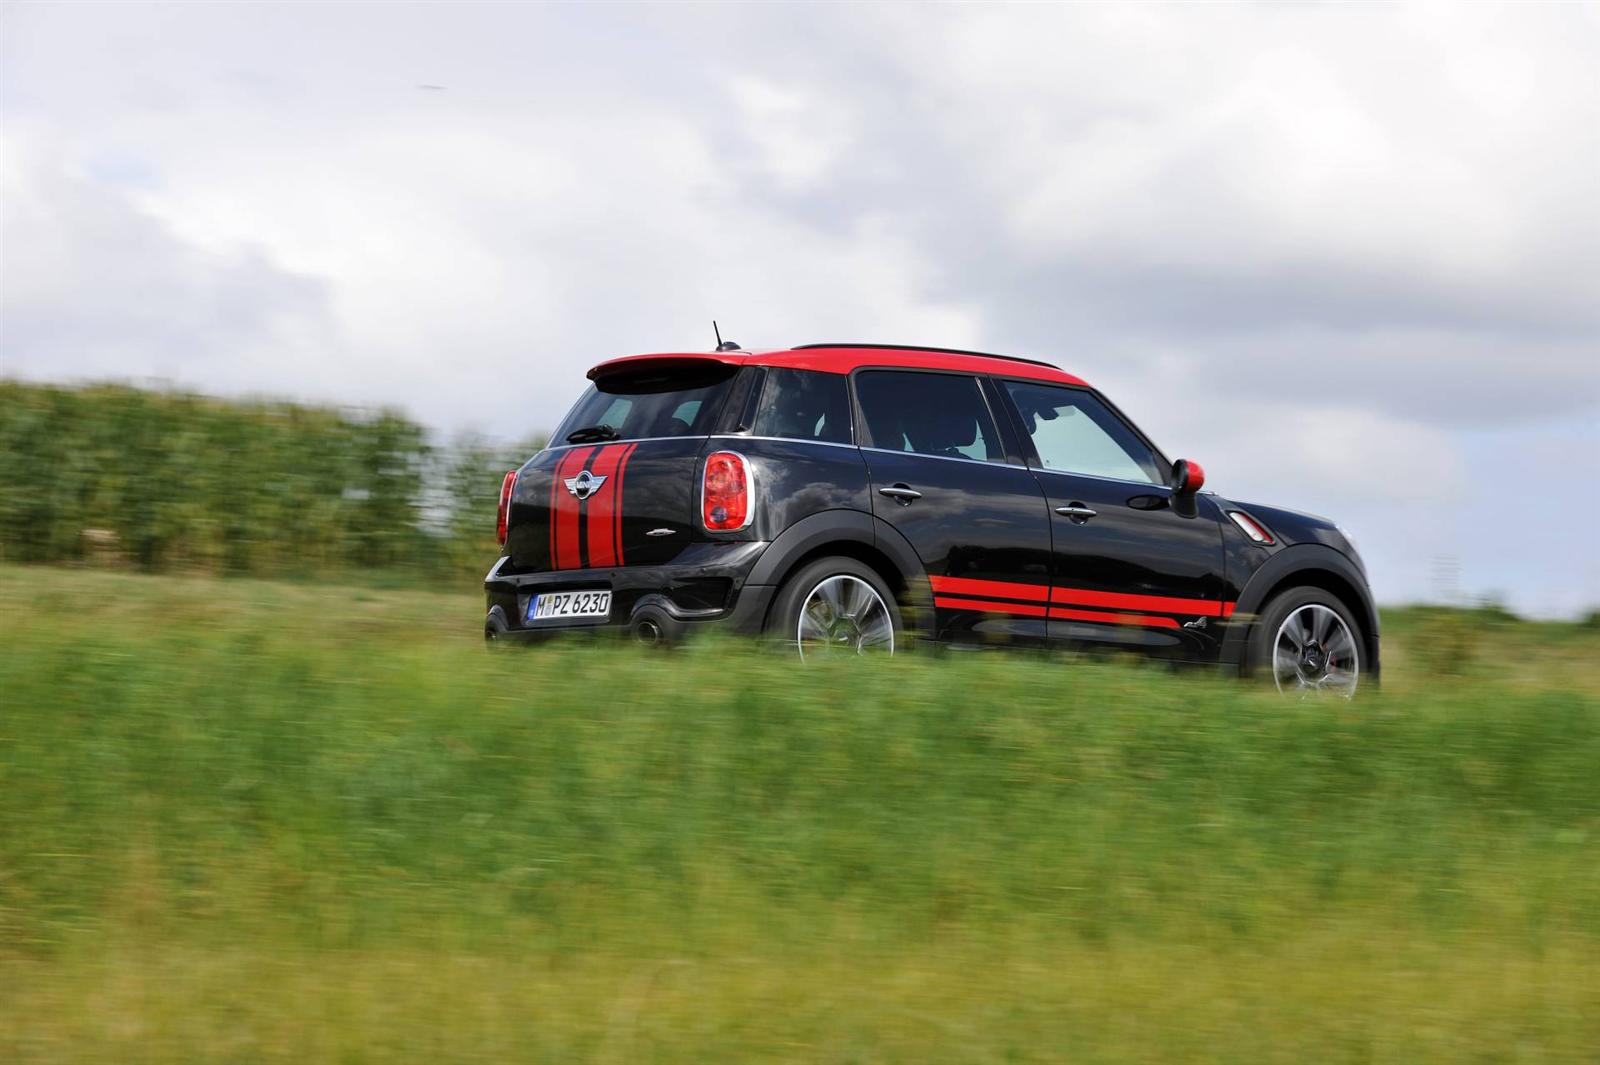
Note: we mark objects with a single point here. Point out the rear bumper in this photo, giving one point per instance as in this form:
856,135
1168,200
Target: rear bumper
705,587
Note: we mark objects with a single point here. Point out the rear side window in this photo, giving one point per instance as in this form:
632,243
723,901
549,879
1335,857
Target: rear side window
927,413
679,402
804,405
1074,432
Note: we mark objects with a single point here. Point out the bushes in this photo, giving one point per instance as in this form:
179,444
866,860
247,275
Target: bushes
169,480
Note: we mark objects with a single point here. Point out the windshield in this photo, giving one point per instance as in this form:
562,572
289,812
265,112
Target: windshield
678,402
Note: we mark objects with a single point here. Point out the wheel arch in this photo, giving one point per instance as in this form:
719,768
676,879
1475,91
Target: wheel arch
1304,566
857,535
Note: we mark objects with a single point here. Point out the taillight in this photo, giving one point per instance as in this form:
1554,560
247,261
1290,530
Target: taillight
503,517
725,492
1251,528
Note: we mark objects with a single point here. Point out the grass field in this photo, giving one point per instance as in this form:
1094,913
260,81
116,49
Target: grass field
253,822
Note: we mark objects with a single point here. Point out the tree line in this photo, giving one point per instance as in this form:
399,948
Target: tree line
173,481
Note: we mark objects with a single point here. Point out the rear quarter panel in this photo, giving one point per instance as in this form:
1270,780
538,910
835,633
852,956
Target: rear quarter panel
795,479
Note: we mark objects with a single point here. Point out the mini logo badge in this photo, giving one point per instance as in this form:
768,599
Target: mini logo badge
585,484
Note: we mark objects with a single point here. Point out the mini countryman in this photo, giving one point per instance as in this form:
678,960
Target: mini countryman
860,498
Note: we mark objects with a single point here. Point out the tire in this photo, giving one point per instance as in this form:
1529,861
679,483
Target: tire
836,605
1321,653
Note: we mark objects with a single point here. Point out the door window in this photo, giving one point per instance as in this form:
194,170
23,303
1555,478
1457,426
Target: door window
1073,432
928,414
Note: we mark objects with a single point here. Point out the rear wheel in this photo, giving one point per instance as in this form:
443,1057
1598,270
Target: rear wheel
836,606
1306,644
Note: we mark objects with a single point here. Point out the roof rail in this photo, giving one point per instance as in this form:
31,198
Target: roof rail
923,347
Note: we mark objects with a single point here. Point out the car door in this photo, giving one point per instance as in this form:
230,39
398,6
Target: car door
1129,569
942,476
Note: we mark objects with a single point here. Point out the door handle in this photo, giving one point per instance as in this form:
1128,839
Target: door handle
901,493
1077,512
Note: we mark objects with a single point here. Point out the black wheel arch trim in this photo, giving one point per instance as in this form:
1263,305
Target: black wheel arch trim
1306,559
811,534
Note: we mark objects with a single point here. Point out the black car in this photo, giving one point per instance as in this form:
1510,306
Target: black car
861,497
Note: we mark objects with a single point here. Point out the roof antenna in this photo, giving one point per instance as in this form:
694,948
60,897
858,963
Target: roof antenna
723,345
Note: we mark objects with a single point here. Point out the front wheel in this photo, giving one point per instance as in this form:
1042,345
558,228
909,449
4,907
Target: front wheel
1307,644
836,606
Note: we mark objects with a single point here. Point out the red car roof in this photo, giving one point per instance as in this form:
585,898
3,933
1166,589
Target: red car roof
843,358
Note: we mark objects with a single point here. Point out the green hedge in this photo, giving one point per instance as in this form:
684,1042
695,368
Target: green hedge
174,481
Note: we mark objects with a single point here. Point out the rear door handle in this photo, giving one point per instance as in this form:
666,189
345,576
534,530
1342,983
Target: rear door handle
1077,512
901,493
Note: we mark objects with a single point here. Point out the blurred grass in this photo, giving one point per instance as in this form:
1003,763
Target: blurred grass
243,821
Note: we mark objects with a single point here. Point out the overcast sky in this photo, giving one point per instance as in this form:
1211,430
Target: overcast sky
1347,256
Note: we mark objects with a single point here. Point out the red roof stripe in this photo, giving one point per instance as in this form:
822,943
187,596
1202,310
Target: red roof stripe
845,359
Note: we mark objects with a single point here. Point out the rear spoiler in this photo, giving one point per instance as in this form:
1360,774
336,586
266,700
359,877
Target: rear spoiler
664,362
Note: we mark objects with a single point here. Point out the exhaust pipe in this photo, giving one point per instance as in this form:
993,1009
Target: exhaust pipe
495,624
653,625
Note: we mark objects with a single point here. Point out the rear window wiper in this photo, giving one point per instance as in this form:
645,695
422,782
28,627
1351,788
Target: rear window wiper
590,433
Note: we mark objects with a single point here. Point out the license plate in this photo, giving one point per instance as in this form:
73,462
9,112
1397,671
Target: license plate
549,606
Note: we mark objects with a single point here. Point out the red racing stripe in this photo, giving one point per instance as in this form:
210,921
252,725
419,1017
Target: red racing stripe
1081,596
564,514
1024,609
602,506
616,500
1113,619
1033,611
550,514
1118,600
1002,589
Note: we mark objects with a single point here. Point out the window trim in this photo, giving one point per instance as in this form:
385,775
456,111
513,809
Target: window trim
1031,453
740,409
780,440
864,438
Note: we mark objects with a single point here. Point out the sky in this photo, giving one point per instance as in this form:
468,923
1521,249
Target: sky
1346,256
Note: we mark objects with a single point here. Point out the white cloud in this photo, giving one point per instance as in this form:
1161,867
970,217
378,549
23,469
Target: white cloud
800,138
95,287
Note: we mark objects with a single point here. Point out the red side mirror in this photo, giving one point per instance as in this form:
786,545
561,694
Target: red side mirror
1188,477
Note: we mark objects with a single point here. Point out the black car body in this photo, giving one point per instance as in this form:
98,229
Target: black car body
994,499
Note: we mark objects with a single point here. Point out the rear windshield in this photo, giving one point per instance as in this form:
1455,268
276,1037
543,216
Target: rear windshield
675,403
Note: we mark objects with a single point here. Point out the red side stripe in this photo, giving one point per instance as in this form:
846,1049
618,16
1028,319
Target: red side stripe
1114,619
1032,611
1081,596
968,586
1025,609
602,507
564,515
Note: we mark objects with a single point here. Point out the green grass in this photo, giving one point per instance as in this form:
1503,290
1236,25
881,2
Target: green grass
244,821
